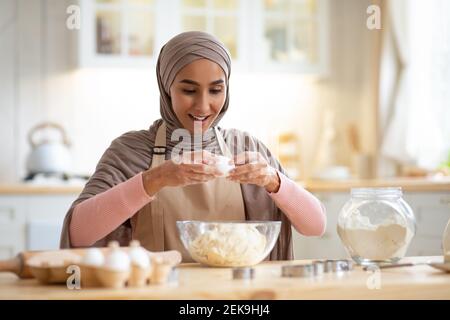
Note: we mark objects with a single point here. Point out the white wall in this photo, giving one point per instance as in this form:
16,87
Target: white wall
41,82
7,89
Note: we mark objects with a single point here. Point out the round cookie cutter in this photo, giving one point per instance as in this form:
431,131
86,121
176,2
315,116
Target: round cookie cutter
338,265
243,273
298,271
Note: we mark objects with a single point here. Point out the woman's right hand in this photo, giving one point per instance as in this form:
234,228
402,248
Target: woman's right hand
191,168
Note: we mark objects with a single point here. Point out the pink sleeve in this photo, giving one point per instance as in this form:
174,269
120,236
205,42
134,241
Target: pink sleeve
304,210
96,217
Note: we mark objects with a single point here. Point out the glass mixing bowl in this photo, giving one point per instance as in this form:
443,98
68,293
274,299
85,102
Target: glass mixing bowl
229,243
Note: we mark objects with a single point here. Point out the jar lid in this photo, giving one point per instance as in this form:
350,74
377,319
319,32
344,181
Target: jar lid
376,192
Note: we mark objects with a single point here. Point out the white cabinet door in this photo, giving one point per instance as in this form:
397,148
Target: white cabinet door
45,216
12,222
12,240
328,246
31,222
432,212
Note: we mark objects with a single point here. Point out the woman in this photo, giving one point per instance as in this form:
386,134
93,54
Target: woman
141,186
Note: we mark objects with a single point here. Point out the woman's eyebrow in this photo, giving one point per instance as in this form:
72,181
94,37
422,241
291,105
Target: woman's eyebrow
188,81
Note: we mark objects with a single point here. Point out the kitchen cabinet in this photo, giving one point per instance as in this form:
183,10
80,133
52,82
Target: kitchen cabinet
328,246
431,210
261,35
12,226
31,222
120,33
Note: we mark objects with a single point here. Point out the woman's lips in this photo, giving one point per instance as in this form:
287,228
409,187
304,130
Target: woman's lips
198,118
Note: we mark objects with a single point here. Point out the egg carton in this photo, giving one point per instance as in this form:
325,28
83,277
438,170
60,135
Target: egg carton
117,268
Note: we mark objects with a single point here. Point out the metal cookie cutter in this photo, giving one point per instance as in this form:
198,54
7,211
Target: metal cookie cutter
338,265
298,271
319,267
243,273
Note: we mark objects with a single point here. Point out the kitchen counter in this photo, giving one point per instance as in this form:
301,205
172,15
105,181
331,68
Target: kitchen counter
30,189
407,184
418,282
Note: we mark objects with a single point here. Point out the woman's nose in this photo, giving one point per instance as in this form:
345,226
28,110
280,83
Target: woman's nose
203,103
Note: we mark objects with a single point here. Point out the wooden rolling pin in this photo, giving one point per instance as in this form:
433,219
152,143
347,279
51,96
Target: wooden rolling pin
18,265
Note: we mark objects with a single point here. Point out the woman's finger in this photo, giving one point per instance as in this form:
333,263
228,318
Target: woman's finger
246,168
200,178
254,178
250,174
202,169
261,173
259,181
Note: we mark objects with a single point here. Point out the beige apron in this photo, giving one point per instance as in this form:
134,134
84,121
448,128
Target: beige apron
219,199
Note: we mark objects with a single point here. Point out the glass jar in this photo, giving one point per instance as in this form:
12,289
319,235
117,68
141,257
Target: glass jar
446,242
376,225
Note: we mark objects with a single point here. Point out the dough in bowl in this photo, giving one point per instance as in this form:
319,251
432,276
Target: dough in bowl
229,245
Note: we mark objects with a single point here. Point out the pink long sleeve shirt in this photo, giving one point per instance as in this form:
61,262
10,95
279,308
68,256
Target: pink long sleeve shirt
96,217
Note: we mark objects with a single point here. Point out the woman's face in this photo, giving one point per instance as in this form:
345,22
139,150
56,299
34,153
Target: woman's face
198,93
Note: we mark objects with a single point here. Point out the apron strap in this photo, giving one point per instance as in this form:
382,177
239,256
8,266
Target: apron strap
157,210
159,149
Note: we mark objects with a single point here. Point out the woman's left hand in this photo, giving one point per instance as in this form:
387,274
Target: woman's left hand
252,168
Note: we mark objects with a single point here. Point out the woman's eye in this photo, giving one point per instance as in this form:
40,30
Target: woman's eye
188,91
215,91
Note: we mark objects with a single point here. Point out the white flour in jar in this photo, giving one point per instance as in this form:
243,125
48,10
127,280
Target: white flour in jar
229,245
383,241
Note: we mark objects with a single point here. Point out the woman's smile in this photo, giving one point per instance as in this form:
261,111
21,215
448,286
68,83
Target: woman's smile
198,118
200,121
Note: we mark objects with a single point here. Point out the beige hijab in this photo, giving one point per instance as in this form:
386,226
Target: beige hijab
132,152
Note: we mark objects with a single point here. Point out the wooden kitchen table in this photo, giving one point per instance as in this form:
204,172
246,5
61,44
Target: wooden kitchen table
198,282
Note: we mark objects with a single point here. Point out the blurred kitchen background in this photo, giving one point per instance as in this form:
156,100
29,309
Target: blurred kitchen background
345,92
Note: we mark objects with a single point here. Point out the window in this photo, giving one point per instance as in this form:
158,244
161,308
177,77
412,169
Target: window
290,30
219,17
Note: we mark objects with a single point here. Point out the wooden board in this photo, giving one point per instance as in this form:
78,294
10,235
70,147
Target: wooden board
419,282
